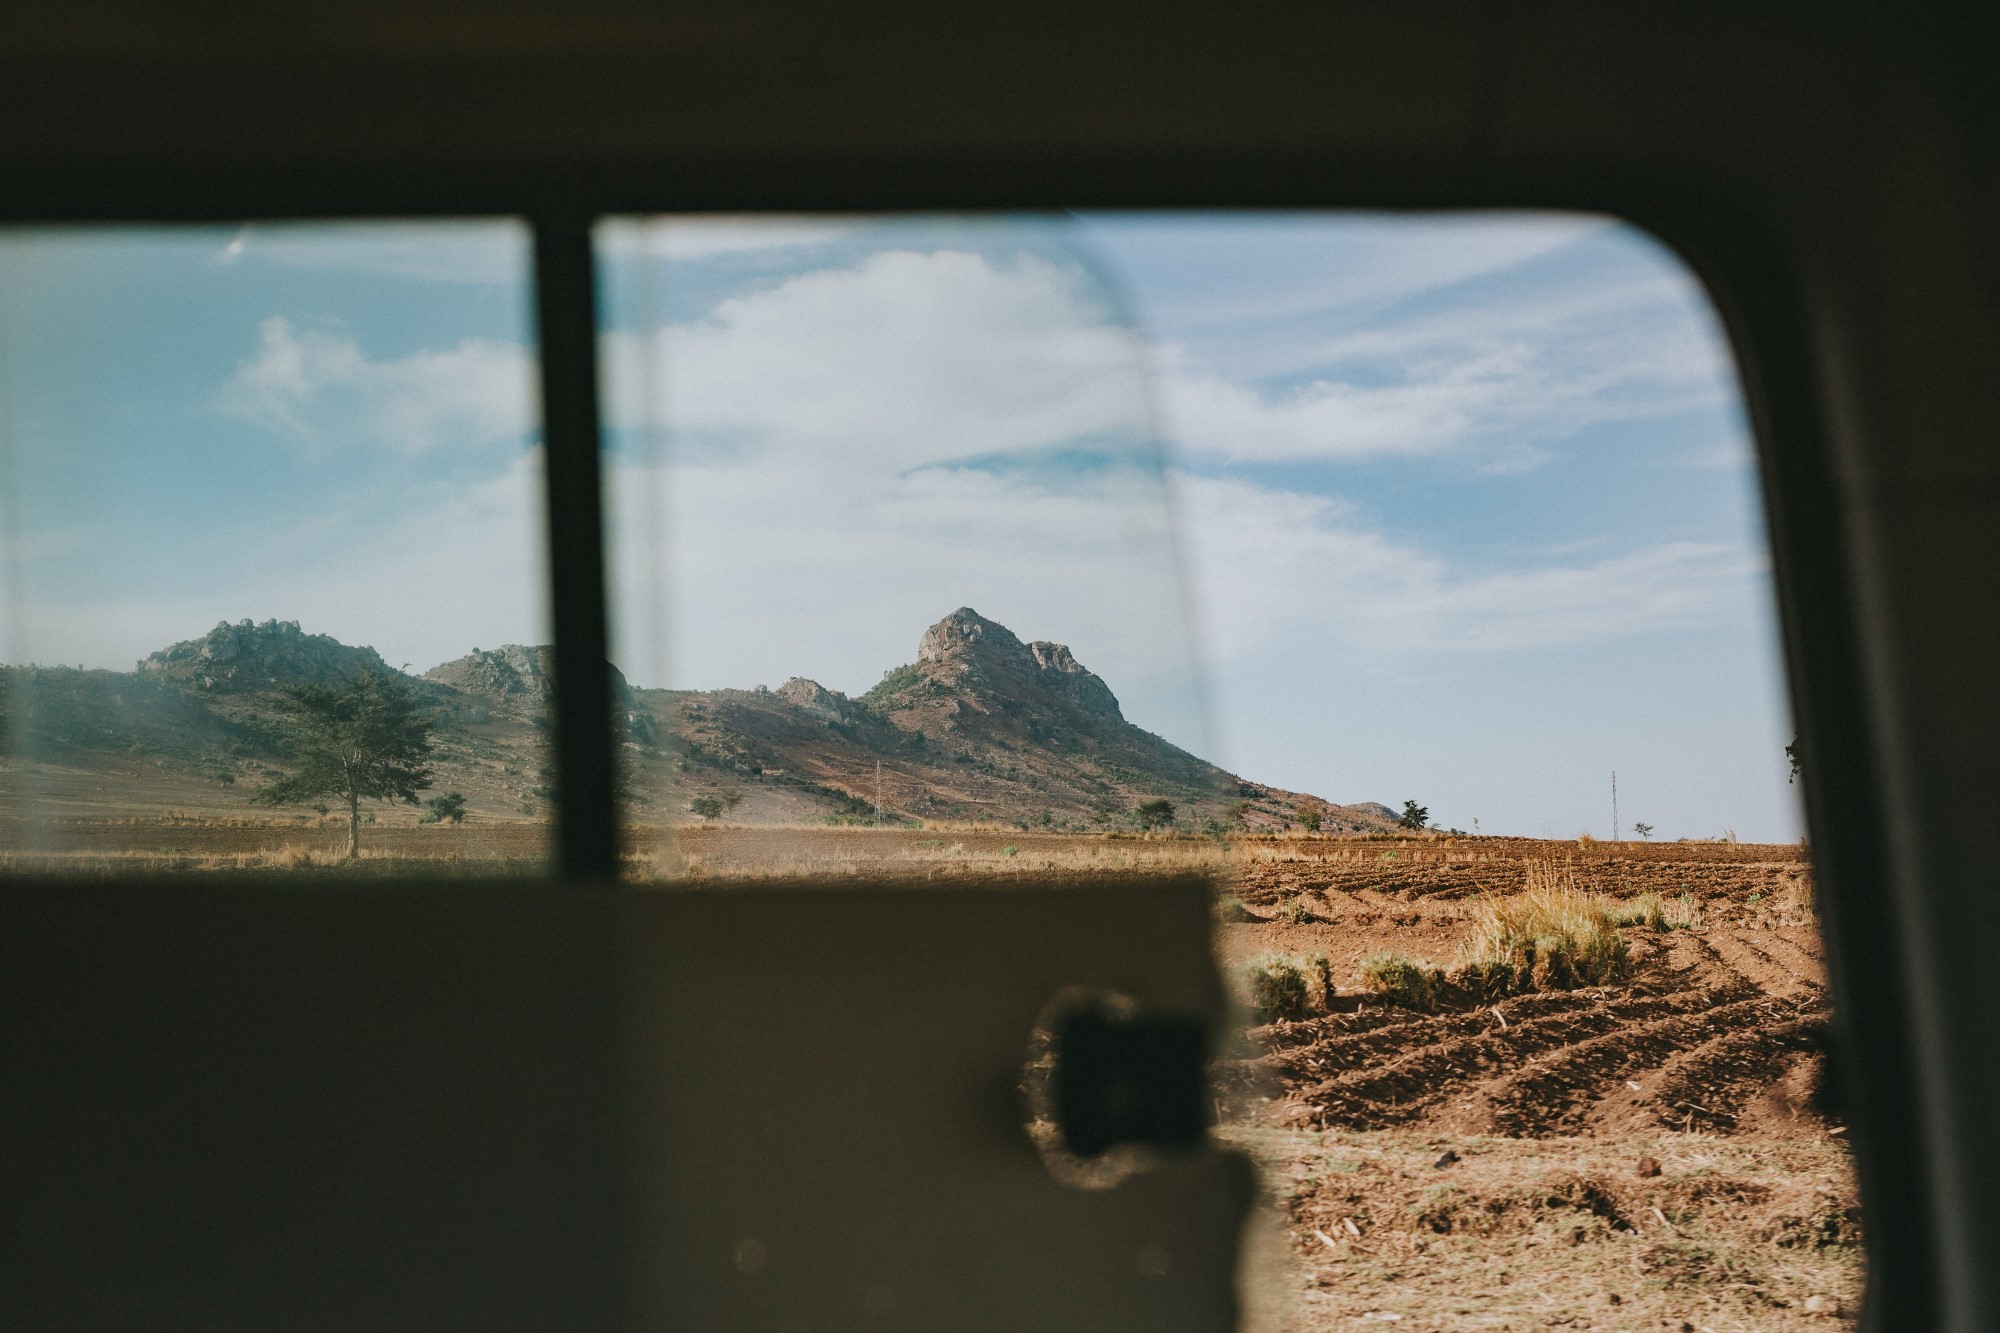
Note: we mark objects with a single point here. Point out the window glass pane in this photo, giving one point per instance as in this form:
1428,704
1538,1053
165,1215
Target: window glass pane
271,550
893,549
1510,878
1471,516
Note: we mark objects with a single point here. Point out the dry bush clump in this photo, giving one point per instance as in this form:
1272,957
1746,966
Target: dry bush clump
1297,912
1550,937
1282,987
1402,980
1655,913
1645,910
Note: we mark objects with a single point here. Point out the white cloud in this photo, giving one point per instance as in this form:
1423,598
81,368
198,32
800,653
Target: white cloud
1276,569
321,390
905,359
1333,263
814,515
1496,378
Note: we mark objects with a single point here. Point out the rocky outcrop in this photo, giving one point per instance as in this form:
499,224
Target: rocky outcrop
245,656
1061,671
516,673
965,650
811,697
499,673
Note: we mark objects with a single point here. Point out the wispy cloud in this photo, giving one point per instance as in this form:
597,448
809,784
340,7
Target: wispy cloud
1497,379
1213,273
319,389
1279,571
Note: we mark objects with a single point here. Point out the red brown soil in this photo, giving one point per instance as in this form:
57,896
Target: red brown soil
1713,1019
1480,1145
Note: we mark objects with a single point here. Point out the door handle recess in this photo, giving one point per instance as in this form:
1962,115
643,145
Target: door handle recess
1122,1080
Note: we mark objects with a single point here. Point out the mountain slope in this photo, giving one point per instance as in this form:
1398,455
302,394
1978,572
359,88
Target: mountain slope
980,726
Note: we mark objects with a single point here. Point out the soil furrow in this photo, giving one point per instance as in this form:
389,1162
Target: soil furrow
1554,1094
1708,1087
1405,1087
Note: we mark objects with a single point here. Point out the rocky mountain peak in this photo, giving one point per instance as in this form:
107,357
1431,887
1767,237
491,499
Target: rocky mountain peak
965,634
248,656
966,652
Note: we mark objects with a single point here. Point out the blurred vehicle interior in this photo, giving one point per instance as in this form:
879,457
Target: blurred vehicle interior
544,1105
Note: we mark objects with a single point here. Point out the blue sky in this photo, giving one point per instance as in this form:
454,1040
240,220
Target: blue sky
1453,508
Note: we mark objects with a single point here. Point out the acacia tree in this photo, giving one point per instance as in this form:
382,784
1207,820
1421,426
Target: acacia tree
363,738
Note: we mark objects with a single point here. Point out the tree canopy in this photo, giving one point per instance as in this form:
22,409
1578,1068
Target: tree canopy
1414,816
362,738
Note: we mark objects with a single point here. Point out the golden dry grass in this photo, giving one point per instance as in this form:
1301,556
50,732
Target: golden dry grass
1551,936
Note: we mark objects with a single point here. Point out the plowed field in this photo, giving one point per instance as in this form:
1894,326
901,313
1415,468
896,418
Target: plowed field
1656,1154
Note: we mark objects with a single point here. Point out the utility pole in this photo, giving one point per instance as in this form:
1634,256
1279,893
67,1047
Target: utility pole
878,789
1614,805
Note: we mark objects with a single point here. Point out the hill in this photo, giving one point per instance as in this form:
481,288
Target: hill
980,726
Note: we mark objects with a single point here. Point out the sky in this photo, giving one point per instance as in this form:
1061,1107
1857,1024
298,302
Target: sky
1454,508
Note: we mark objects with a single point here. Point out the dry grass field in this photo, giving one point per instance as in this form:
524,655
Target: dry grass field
1605,1112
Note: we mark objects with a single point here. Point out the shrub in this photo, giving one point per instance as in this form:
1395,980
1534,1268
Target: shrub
439,809
1287,986
1276,987
1482,981
1296,912
708,807
1231,908
1308,817
1553,937
1645,910
1319,968
1400,979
